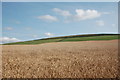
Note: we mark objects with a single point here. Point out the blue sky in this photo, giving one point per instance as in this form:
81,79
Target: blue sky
31,20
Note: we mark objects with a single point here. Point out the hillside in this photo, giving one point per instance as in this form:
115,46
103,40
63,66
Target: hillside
87,37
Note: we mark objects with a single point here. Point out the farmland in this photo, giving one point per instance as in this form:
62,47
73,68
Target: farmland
74,59
70,38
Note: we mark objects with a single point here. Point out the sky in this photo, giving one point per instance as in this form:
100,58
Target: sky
22,21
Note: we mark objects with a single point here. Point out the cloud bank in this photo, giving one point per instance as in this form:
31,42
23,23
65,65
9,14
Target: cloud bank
80,14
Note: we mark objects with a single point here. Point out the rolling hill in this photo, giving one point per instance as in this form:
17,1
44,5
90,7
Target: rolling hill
70,38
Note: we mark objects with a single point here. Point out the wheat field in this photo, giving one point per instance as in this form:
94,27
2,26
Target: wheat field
82,59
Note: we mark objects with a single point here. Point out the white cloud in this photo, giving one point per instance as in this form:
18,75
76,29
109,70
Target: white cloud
8,40
8,28
80,14
100,23
49,34
48,18
62,12
86,14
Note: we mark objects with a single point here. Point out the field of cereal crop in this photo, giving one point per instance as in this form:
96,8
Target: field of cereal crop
85,59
